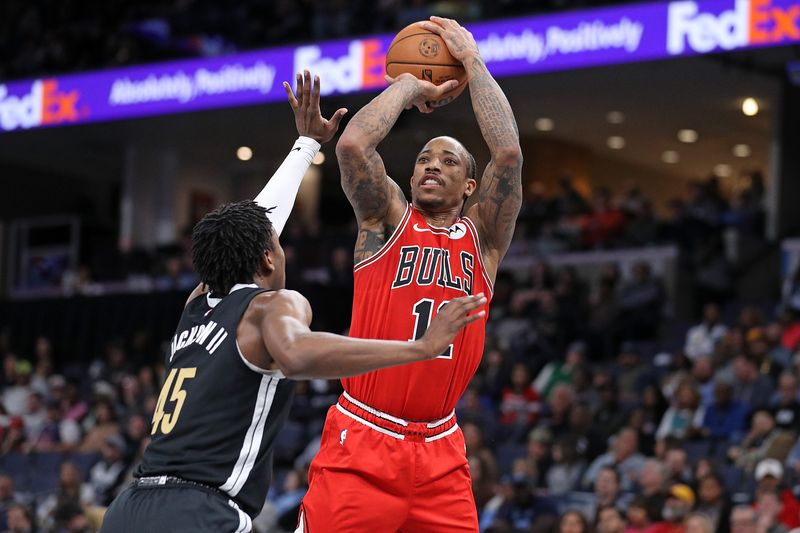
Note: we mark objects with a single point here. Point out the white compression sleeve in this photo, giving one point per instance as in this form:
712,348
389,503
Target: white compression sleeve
281,190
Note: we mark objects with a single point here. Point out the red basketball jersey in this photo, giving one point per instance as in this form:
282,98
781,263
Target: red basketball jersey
397,292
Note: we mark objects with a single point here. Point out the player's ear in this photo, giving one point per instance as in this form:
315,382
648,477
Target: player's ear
470,187
267,263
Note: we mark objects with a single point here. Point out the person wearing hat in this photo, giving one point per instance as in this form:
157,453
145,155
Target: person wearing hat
107,475
679,503
769,478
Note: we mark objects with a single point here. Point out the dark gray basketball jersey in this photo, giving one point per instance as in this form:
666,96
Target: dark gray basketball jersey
217,415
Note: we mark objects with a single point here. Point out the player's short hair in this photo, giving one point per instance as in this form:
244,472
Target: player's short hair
228,244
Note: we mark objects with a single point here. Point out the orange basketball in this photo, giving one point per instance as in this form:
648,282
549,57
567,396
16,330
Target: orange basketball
425,55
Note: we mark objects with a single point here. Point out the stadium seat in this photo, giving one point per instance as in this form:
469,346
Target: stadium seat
289,442
507,453
44,471
696,450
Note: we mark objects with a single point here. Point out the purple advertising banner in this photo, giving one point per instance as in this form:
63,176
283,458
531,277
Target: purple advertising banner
510,47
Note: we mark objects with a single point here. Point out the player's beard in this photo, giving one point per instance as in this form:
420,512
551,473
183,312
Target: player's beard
430,203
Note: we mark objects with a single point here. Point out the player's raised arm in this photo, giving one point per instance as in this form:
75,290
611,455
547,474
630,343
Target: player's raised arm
500,193
378,201
279,194
304,354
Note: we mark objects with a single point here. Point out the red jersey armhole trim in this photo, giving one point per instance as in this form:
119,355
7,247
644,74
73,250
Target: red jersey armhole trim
477,241
389,243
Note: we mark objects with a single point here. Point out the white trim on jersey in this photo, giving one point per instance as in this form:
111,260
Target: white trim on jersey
301,523
443,434
273,373
373,411
245,523
477,242
212,302
398,436
252,440
385,248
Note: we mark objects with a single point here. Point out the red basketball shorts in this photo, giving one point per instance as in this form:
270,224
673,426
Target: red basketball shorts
378,473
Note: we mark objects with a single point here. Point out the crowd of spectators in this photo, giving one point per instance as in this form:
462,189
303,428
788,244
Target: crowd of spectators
50,37
571,424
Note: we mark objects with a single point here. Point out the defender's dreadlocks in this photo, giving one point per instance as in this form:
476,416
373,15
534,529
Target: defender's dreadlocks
228,244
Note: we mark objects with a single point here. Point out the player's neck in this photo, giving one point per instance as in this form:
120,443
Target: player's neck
441,219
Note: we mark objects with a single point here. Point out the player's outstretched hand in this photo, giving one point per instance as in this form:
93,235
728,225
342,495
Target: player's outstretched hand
449,321
307,116
425,91
459,40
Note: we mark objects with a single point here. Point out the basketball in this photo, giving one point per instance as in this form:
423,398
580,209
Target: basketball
425,55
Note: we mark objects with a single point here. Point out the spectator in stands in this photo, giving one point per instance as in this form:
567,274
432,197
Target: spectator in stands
762,441
568,465
8,498
16,394
679,502
652,484
609,416
105,425
750,386
589,442
70,518
769,477
684,418
768,506
713,502
538,458
604,224
640,302
676,462
785,405
743,519
724,420
558,408
607,490
703,375
573,522
20,520
637,516
71,489
698,523
702,338
520,404
630,373
560,371
107,475
609,520
484,479
523,509
623,454
569,202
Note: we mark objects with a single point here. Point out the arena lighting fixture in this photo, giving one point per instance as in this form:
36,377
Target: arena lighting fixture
544,124
318,159
687,136
670,156
244,153
750,106
723,171
615,117
741,150
615,142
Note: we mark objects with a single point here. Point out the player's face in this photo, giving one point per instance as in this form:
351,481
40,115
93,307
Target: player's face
441,178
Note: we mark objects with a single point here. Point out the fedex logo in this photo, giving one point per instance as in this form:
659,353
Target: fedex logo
42,106
362,67
750,22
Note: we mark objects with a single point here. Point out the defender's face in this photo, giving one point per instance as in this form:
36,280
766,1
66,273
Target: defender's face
278,259
441,178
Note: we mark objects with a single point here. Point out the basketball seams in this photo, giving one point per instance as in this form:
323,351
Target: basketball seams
459,65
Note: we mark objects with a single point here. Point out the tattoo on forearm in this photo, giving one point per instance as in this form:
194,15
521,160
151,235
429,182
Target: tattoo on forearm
501,186
492,110
370,241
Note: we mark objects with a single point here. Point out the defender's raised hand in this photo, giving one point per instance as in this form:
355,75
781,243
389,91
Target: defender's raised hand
459,40
449,321
424,91
307,115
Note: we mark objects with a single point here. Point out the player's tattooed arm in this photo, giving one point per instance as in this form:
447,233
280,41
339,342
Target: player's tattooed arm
500,194
370,241
372,194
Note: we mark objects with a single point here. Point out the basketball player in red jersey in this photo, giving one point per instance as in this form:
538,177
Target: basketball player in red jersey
392,457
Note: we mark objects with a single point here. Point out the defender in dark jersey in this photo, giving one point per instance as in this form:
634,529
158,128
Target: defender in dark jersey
240,341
